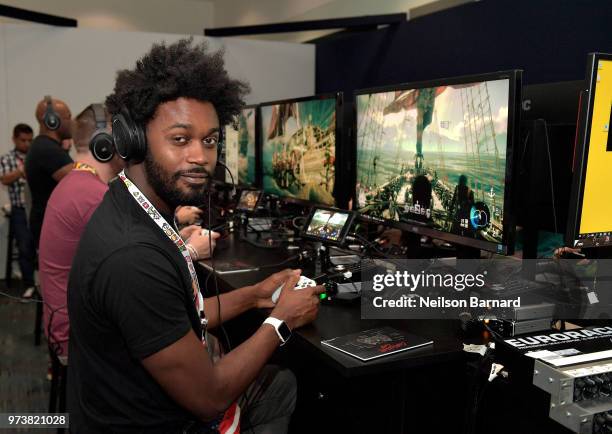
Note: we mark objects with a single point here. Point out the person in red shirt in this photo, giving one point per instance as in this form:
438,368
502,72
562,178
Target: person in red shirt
69,209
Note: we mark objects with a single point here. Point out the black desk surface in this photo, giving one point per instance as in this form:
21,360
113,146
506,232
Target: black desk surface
338,319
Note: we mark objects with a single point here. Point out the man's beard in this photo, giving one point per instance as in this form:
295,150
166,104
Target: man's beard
165,185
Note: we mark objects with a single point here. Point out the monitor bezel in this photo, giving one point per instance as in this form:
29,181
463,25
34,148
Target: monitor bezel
345,229
338,96
255,183
514,78
581,152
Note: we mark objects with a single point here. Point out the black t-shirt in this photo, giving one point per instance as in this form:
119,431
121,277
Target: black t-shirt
44,158
129,296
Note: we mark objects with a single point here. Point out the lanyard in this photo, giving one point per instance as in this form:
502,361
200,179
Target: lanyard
85,168
176,239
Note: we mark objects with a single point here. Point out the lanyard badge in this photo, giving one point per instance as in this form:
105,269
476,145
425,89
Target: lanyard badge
171,233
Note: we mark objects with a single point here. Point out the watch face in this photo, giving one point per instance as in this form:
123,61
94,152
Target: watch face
284,331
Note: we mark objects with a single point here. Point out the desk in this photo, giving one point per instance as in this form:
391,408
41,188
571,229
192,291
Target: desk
341,319
389,380
393,394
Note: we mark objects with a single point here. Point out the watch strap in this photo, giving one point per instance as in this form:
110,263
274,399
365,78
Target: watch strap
276,323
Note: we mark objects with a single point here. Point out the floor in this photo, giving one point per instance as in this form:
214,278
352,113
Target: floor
23,366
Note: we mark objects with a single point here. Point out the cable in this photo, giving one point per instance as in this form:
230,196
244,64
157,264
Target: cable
221,163
550,172
278,264
23,300
296,226
53,343
370,244
524,149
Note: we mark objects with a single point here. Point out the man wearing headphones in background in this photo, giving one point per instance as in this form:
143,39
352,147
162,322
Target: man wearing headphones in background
47,162
70,206
68,210
139,346
12,174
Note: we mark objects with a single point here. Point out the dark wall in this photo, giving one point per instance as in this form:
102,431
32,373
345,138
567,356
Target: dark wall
548,39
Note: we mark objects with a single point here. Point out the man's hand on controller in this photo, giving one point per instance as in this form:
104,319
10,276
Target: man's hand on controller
188,231
187,215
297,307
199,244
263,290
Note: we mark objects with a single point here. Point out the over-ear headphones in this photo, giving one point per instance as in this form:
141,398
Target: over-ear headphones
101,143
131,141
51,119
129,137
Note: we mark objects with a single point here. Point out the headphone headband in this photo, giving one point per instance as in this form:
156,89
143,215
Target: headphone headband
99,115
130,138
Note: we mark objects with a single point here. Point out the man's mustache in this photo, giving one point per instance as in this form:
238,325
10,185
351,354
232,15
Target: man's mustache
193,171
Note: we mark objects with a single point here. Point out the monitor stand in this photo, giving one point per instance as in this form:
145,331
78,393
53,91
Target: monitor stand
258,241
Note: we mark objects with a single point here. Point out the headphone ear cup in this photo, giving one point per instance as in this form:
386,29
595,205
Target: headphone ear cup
121,136
128,137
102,146
51,120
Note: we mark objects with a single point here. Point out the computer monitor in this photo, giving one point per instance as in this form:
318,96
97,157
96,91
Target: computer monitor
299,138
240,155
590,215
248,200
434,158
329,225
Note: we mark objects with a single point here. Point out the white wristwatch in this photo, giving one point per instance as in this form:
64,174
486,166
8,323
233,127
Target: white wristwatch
282,330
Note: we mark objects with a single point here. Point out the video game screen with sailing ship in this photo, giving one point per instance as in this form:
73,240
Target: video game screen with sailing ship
240,148
328,224
435,155
299,149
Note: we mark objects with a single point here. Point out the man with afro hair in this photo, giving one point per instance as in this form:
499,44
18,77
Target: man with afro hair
139,350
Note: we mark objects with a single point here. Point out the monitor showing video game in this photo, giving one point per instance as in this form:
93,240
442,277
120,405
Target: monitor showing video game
299,149
248,200
240,148
328,224
435,156
590,222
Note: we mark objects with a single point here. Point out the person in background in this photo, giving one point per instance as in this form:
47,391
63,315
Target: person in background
68,210
70,207
47,162
12,174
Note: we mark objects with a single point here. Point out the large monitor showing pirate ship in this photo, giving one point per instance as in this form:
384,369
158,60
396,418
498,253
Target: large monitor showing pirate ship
299,149
434,158
240,148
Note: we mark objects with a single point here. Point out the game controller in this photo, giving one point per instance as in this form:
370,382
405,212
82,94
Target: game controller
304,282
205,232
